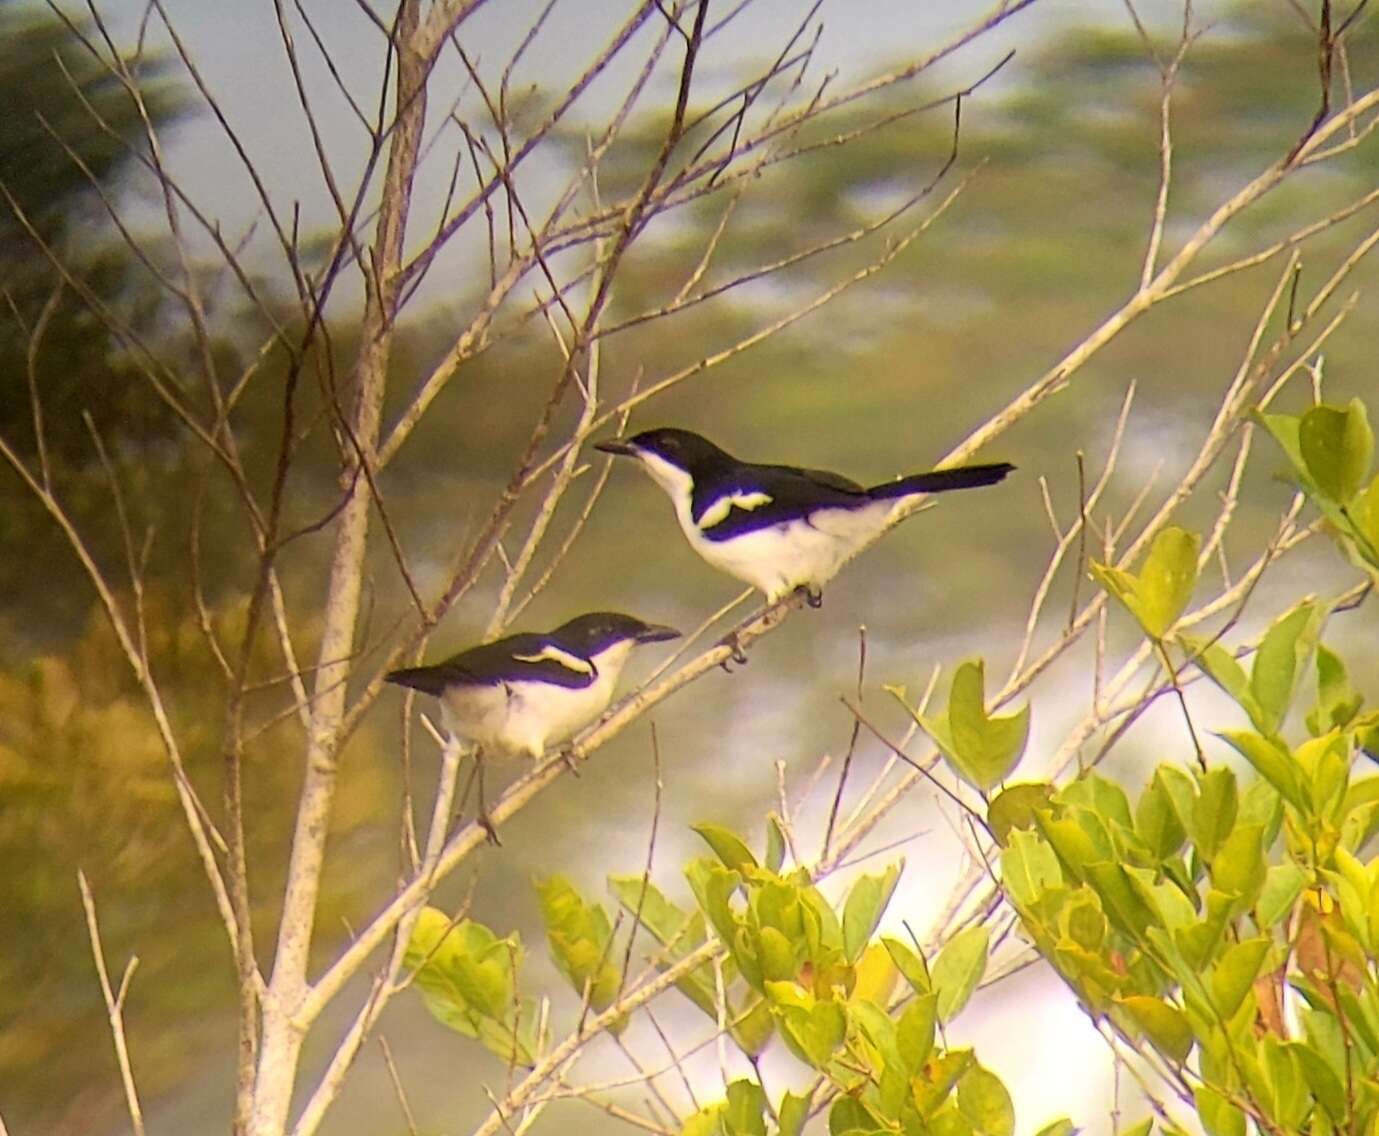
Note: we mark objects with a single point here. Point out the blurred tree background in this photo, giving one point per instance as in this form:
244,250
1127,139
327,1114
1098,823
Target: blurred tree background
1047,236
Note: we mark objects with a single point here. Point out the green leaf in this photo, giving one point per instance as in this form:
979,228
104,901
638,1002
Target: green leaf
1365,515
1324,762
1219,665
1100,796
1157,822
1285,430
1181,790
910,964
849,1115
775,843
705,1122
1272,761
865,904
465,963
1119,584
1076,850
958,969
1063,1127
1213,815
579,935
815,1031
1166,579
713,887
745,1114
875,975
1219,1117
1337,446
726,845
776,955
667,922
1238,866
1015,807
875,1025
982,749
1337,700
1321,1079
465,975
914,1032
931,1087
1233,976
753,1030
986,1104
1158,595
1200,942
1280,660
1122,901
793,1113
1165,1026
1283,883
1029,867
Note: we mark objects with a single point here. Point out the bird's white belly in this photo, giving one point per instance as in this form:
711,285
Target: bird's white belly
521,719
783,557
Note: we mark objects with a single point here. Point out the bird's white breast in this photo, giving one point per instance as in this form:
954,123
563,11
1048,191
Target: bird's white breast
779,558
523,718
785,556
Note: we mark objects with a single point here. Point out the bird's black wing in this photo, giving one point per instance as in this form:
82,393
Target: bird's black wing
753,497
825,478
517,658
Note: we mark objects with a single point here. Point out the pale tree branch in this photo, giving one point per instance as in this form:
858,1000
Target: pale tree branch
114,1005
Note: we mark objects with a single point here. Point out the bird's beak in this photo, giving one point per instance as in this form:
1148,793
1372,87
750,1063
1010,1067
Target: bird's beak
654,633
617,447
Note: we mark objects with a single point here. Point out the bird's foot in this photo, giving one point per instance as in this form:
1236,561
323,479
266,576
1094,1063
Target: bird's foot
814,597
737,654
484,821
567,755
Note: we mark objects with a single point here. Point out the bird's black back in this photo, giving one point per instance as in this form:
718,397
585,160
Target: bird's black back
515,658
797,493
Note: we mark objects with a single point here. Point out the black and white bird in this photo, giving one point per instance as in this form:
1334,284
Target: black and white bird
778,527
518,695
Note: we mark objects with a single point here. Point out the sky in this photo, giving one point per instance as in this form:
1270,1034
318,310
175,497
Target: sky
238,51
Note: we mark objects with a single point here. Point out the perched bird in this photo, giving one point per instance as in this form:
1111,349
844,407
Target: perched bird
520,694
777,527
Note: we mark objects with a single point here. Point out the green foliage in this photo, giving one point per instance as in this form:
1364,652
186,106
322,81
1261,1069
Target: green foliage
982,748
958,969
1180,916
1279,664
581,940
467,978
1331,449
865,904
828,988
1157,596
1017,807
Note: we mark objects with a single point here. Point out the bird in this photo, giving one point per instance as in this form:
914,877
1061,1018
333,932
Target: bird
778,527
518,695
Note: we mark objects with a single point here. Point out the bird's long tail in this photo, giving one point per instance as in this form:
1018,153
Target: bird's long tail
428,680
942,480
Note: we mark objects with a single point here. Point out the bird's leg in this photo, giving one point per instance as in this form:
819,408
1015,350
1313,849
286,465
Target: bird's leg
481,818
737,655
567,755
813,596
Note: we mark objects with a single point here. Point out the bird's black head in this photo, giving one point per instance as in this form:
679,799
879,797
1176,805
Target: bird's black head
683,449
589,634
